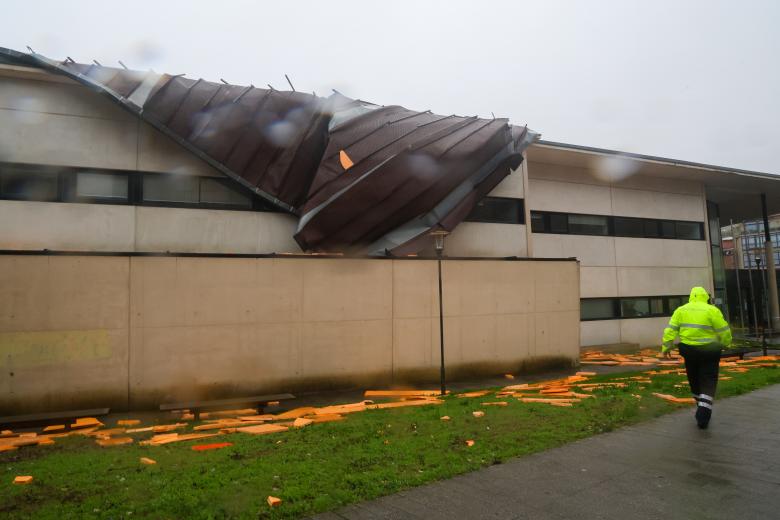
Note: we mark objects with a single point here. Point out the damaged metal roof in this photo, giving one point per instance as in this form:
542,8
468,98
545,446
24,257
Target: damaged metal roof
362,178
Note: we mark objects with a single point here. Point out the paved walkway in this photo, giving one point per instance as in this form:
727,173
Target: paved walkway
665,469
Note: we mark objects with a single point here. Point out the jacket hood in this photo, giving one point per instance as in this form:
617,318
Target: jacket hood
699,294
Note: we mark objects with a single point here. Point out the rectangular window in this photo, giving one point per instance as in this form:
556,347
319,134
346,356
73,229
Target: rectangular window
603,225
588,225
668,229
171,188
28,184
634,307
598,309
101,185
657,306
673,303
688,230
500,210
213,191
629,227
558,223
537,222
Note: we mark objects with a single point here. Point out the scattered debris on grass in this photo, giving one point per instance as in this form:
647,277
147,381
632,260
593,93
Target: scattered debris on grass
147,461
213,446
23,480
274,501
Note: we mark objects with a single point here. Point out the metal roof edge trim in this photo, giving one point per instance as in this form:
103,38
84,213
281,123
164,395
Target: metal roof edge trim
656,159
50,252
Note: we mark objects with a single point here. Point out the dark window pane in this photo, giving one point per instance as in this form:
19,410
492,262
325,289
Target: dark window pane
28,185
689,230
537,222
588,225
667,229
170,188
597,309
498,209
558,223
651,228
634,307
102,185
657,306
212,191
629,227
674,302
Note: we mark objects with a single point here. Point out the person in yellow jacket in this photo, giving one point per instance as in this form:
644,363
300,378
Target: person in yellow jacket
703,334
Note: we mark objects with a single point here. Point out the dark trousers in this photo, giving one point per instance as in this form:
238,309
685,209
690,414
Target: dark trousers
701,365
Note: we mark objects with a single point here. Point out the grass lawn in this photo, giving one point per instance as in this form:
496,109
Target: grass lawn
323,466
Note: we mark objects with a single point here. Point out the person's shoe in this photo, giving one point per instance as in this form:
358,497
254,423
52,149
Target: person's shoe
703,415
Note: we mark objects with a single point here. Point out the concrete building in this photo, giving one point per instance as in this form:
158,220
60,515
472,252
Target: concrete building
77,173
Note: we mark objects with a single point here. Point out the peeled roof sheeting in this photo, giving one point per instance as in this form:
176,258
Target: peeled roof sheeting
411,171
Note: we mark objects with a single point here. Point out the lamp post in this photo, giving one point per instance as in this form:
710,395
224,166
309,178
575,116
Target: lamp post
438,243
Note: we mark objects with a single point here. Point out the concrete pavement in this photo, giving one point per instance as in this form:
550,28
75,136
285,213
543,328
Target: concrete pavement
665,468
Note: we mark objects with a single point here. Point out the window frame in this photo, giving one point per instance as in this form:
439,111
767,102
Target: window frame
617,306
655,225
519,207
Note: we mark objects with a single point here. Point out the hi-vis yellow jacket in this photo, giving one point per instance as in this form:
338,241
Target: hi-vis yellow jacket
697,323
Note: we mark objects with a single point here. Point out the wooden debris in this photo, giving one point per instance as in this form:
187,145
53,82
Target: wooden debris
555,390
401,404
676,400
23,480
162,428
341,409
261,417
560,403
213,446
496,403
147,461
262,429
469,443
6,433
445,417
605,363
55,428
106,433
224,423
545,400
274,501
300,422
400,393
128,422
479,393
167,438
140,430
86,422
508,376
478,413
585,374
296,412
317,419
233,413
114,441
7,447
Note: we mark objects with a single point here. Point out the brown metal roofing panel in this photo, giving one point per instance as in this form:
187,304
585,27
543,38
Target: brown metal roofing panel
362,177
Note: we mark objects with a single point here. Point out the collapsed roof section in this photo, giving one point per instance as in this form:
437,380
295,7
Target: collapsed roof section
362,178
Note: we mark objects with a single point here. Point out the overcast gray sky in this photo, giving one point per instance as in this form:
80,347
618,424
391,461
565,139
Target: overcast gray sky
697,80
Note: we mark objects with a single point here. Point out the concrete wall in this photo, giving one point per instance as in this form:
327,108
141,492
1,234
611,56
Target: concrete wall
46,119
616,266
56,226
136,331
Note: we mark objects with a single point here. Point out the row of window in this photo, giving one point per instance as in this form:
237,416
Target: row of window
604,225
50,184
500,210
758,241
592,309
750,260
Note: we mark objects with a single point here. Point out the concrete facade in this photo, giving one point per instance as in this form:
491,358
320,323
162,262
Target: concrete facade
617,266
133,332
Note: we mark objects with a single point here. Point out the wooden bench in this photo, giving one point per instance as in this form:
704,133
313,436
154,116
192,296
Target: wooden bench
52,416
196,407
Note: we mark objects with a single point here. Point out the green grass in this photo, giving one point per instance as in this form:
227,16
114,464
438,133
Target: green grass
320,467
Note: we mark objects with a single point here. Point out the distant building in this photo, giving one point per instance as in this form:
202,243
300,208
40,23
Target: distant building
743,243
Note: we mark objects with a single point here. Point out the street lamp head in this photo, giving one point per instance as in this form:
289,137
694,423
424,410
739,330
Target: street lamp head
438,239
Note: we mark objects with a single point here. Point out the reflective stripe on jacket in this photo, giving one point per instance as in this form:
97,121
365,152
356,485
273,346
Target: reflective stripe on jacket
697,323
